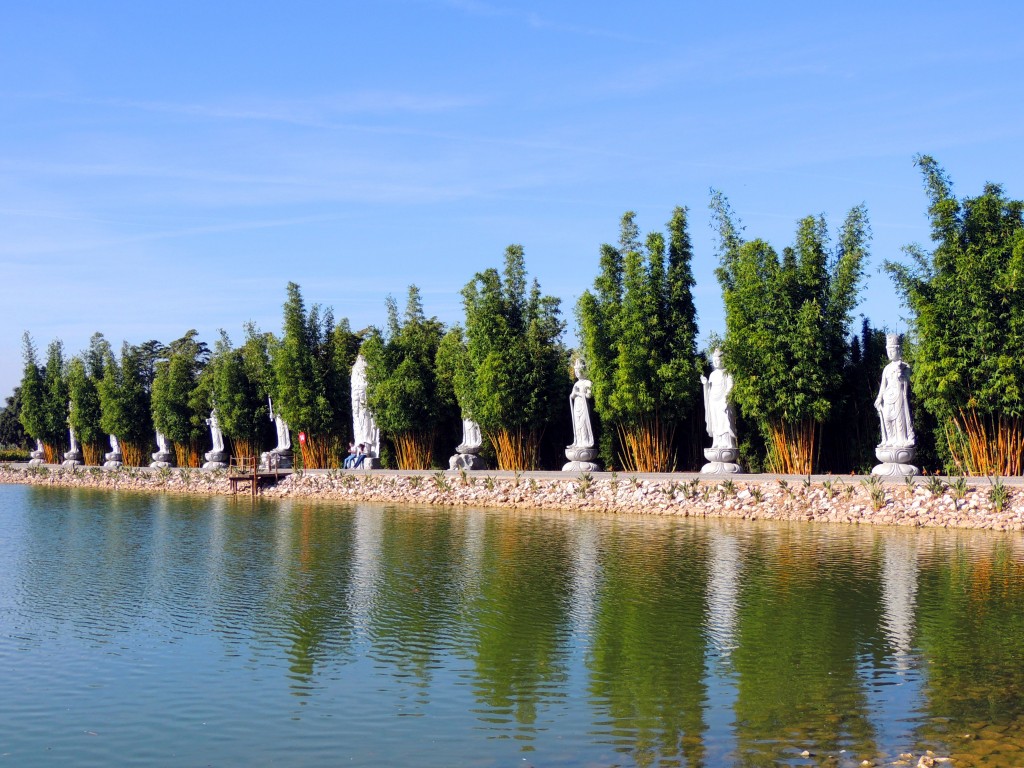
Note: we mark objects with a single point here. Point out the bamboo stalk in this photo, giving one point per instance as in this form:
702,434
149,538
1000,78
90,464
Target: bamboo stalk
792,447
92,453
515,450
985,445
413,449
648,446
52,453
132,453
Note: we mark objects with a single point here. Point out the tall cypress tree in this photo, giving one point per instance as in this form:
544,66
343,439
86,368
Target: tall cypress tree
311,365
125,402
33,414
512,379
967,324
638,328
85,371
402,382
786,324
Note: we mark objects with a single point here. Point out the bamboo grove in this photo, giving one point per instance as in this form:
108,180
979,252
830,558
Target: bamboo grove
803,379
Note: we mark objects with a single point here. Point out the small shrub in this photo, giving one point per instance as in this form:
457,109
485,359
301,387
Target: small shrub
959,488
935,486
442,482
998,494
757,495
876,492
489,483
584,484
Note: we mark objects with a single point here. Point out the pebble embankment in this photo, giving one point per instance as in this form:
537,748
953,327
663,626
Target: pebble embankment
927,502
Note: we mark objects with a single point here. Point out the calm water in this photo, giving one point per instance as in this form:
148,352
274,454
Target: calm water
147,630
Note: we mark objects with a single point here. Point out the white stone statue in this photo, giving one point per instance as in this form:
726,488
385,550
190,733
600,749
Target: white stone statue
466,452
582,390
364,428
73,458
216,436
217,457
38,456
719,419
284,438
164,456
893,403
279,457
897,448
719,416
113,458
582,453
472,439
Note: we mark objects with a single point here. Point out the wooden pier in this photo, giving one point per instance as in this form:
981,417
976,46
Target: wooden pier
246,472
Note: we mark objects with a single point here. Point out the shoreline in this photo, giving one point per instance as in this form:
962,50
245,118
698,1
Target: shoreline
832,499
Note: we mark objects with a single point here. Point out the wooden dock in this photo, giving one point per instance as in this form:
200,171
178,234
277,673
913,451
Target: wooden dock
246,472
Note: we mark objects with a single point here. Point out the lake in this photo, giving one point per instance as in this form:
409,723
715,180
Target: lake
158,630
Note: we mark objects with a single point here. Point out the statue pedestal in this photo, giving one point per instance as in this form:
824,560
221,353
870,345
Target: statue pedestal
277,459
464,460
216,460
895,461
721,461
36,458
162,460
581,459
113,460
73,459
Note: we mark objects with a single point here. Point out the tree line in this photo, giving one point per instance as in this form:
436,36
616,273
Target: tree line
804,383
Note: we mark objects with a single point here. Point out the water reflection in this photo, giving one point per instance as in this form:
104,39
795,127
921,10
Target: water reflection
608,640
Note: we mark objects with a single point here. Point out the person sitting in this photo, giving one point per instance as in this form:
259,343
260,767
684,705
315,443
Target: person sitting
360,456
351,458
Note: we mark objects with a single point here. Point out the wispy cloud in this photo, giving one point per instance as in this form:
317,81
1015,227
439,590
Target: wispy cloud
318,112
536,21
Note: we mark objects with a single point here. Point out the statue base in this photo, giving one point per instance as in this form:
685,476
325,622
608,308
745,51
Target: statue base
466,461
581,459
73,459
895,461
162,460
721,468
36,462
113,460
581,466
888,469
721,461
216,460
276,459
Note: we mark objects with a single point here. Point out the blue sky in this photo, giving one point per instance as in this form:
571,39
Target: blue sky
166,166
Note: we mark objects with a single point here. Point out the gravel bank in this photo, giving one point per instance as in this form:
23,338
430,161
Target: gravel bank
856,500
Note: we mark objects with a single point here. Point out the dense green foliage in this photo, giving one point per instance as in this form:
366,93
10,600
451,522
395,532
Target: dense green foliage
513,378
967,324
31,414
402,382
125,397
239,379
786,325
85,372
181,399
12,433
638,328
311,365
